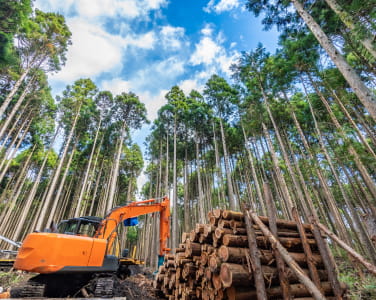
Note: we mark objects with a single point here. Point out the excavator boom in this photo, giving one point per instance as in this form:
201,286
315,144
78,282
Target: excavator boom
108,225
71,250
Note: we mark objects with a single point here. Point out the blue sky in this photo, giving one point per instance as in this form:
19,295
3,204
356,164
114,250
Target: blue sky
148,46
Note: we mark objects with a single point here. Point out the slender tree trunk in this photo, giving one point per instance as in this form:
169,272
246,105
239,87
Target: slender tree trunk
221,195
15,88
186,200
201,208
232,200
360,135
15,108
46,203
61,185
87,172
254,176
167,190
26,130
359,88
115,170
175,226
17,188
347,19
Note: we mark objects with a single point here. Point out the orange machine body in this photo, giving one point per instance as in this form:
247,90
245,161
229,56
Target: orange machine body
50,252
44,253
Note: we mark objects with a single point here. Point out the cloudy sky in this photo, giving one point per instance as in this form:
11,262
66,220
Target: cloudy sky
148,46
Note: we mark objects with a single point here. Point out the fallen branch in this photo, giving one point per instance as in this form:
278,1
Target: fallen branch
370,267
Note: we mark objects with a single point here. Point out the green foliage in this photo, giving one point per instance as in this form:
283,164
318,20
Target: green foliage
8,279
132,235
13,15
359,287
44,41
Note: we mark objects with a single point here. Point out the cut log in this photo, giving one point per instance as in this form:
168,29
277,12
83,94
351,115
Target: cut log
217,213
220,232
217,282
213,221
208,230
238,255
224,224
263,243
193,249
232,215
314,291
214,263
193,236
234,275
199,228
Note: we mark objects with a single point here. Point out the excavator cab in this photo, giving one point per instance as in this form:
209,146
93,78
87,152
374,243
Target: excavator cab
83,226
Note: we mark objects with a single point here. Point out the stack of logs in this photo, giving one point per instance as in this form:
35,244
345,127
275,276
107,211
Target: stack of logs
213,261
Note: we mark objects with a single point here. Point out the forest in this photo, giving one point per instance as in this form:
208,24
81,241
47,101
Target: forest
301,119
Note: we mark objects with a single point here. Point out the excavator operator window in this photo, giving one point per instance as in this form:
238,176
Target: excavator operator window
78,227
87,228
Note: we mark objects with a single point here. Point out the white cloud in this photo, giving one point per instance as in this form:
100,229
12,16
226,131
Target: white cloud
102,8
190,84
55,5
207,30
211,54
221,6
206,51
93,51
143,41
172,37
153,102
116,86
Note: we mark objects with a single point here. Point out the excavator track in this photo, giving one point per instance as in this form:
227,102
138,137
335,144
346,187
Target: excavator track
104,287
29,289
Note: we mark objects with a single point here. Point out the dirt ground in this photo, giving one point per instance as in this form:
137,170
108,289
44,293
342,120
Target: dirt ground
136,287
139,286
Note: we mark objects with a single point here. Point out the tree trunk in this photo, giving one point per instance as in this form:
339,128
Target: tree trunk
175,226
232,200
115,171
87,172
200,193
359,88
15,88
347,19
62,182
46,203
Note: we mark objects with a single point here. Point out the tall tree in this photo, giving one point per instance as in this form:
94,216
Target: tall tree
42,43
223,98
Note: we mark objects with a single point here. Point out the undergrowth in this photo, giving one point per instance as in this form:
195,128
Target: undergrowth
361,285
8,279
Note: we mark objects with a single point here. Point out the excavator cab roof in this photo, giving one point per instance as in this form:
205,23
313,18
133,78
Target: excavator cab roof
83,226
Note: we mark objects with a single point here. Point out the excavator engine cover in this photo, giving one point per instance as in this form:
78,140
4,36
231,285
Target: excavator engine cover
52,252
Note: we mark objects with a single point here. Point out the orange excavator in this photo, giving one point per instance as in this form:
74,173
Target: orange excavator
77,256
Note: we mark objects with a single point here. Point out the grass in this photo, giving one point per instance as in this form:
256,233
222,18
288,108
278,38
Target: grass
359,287
8,279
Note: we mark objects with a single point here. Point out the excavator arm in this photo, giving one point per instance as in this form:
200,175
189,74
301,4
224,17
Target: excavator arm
49,252
107,227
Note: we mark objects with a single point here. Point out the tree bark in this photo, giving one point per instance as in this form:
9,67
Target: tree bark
51,189
15,88
347,19
359,88
232,200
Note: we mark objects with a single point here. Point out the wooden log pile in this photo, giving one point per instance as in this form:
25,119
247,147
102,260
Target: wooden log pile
213,262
